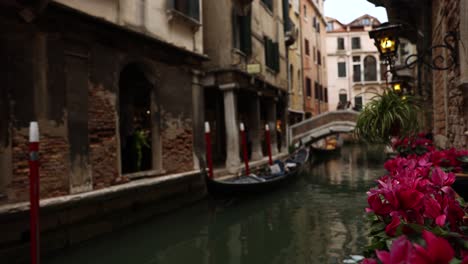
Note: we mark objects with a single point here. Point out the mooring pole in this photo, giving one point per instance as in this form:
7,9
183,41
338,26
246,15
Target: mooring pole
244,149
34,190
268,143
209,158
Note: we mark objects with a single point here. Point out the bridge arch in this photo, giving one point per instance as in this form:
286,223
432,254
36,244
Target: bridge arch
320,126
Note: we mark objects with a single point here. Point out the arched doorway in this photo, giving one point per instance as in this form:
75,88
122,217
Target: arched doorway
135,120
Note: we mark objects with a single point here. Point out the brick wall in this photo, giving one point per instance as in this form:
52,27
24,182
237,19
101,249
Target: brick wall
177,142
53,171
448,96
102,136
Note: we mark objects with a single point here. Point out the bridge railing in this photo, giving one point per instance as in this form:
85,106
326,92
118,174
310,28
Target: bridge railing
305,128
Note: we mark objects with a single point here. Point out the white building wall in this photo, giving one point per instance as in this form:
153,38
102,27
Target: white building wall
335,83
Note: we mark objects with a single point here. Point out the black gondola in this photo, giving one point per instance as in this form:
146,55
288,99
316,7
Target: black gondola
280,173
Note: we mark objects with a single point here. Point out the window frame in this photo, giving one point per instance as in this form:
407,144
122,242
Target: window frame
340,40
344,68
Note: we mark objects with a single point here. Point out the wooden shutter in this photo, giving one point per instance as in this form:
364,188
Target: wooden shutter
275,56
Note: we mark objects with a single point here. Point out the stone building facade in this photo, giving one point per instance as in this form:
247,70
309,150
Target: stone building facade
355,72
245,79
313,32
114,85
446,92
295,79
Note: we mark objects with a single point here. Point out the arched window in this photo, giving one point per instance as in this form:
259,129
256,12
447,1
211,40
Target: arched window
370,69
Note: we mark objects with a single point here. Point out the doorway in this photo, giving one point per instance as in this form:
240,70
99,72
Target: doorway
135,120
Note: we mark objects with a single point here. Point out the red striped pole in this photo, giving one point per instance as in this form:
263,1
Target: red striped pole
209,159
34,190
268,143
244,149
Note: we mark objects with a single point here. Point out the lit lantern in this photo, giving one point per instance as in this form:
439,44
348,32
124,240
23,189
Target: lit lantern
386,39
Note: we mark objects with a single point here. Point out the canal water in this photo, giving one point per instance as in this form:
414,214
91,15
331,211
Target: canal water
317,219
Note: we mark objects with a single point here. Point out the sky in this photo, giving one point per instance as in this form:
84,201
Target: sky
348,10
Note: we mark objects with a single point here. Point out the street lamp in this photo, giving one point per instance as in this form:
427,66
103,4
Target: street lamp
386,39
401,87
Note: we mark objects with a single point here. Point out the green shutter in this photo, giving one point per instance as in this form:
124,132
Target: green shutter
276,56
271,54
246,33
286,15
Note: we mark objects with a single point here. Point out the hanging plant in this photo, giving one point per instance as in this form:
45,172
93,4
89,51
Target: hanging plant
387,115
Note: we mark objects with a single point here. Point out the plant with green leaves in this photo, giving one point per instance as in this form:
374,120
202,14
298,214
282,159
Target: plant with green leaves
387,115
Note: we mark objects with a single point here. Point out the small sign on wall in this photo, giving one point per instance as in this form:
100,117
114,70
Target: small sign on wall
254,68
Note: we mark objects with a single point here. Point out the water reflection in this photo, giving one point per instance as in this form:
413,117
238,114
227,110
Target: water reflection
317,219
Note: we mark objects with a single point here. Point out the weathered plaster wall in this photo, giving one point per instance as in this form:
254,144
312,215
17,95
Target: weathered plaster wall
150,17
296,98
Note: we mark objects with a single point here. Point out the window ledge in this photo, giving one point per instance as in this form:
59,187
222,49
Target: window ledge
269,11
175,14
239,52
270,70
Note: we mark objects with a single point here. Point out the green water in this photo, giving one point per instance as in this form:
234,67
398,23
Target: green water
317,219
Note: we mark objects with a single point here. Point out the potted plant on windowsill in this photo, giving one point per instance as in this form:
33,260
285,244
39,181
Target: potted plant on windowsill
386,116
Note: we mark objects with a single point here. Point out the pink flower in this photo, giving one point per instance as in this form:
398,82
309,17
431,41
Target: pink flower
391,228
437,251
440,178
369,261
376,205
400,252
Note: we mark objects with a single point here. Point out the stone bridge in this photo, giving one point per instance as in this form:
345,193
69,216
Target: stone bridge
325,124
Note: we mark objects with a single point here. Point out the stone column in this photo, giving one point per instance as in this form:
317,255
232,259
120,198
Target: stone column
232,128
198,119
285,128
271,117
256,128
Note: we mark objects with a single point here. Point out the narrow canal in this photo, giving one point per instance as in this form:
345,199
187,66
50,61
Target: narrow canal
317,219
